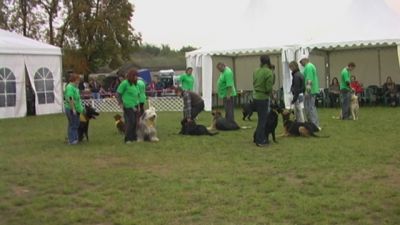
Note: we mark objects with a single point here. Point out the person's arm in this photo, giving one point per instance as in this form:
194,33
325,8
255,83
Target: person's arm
296,88
72,105
229,84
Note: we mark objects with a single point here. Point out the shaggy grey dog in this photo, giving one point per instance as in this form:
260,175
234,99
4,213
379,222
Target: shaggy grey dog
146,129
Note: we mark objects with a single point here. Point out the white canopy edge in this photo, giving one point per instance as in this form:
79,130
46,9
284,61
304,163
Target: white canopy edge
15,44
354,44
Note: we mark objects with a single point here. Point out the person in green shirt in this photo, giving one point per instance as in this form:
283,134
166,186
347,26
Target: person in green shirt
142,94
263,80
128,99
345,90
312,90
186,80
73,107
226,90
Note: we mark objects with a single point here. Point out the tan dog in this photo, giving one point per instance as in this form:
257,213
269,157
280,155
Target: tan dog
354,107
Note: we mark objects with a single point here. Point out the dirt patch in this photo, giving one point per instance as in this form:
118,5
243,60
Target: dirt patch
20,191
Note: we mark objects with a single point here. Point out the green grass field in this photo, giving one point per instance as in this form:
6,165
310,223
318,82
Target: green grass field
352,177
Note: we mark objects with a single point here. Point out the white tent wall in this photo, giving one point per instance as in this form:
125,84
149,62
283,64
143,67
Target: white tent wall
15,64
50,87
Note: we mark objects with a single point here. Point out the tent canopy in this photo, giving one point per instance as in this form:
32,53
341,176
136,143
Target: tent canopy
15,44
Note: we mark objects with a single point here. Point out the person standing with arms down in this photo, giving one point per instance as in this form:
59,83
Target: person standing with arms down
73,107
345,90
187,80
128,99
312,90
263,80
142,94
226,90
297,90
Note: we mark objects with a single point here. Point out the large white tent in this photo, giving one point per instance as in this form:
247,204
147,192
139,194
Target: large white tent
24,61
354,35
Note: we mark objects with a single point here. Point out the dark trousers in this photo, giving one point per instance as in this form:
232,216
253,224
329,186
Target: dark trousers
196,109
229,109
130,124
141,109
345,97
260,137
333,100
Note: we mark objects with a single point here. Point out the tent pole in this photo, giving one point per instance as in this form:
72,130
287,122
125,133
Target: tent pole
327,68
379,67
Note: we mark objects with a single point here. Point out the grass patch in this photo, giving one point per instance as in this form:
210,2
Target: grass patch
352,177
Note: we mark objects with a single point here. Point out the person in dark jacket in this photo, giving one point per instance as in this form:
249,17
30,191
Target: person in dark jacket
297,89
193,104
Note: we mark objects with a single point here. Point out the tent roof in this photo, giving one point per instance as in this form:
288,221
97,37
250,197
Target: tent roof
356,26
12,43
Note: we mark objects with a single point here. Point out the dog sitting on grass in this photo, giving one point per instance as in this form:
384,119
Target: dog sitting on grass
84,119
293,128
119,123
248,109
146,128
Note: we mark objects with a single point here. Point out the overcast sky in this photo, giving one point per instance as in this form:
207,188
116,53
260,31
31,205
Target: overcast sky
201,23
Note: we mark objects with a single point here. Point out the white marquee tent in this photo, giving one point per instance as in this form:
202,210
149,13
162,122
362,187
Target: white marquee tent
24,61
357,35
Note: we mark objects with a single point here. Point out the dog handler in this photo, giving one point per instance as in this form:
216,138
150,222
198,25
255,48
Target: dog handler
345,90
128,98
297,90
73,107
142,94
263,80
226,90
186,80
312,90
193,104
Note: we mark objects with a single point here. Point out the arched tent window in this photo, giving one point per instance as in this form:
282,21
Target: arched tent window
8,88
44,84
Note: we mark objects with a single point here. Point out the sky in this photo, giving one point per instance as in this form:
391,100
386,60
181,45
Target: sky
215,23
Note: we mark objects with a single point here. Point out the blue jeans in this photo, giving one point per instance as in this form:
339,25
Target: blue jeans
310,109
345,97
96,95
73,125
260,137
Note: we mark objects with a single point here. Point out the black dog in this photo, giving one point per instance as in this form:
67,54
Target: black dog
294,128
85,117
221,123
272,123
191,128
248,109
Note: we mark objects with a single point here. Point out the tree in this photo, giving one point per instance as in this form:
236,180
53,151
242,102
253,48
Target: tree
101,30
51,8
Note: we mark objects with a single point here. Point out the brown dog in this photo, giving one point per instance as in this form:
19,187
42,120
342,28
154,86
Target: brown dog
119,123
293,128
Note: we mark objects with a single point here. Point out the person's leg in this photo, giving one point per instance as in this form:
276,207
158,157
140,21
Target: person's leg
130,123
196,110
307,103
229,109
74,127
313,111
68,113
345,105
262,110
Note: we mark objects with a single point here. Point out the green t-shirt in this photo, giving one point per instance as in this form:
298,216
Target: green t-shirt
263,80
142,90
71,91
129,94
225,80
310,73
345,80
186,81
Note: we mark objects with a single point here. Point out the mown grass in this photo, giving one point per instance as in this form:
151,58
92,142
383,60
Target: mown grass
352,177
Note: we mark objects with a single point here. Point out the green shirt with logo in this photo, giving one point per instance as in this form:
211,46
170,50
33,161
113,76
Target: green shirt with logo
129,94
72,92
225,81
186,81
345,80
310,73
142,91
263,80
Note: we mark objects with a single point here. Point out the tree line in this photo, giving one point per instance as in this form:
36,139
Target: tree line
92,33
